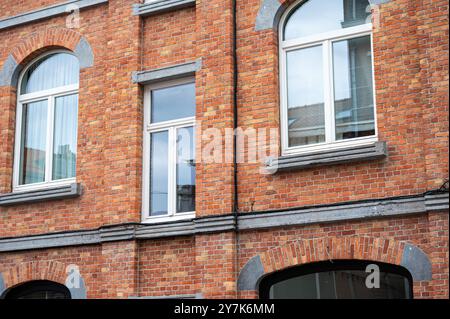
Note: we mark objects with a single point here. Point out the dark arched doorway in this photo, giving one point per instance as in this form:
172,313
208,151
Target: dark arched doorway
38,289
340,279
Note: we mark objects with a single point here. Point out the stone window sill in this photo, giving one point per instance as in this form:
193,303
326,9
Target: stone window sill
372,151
32,196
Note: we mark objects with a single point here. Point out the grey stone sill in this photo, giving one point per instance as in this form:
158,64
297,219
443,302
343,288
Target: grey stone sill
160,6
372,151
47,12
60,192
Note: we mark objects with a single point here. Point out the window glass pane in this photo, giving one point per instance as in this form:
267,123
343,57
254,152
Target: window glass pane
159,173
352,285
340,284
173,103
33,143
353,90
326,285
54,70
185,170
317,16
38,289
305,96
65,137
303,287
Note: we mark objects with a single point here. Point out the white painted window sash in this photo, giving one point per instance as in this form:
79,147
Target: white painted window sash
50,95
341,34
49,142
172,128
326,40
37,96
48,178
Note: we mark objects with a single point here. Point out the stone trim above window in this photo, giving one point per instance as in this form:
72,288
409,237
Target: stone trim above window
53,193
159,6
171,72
373,151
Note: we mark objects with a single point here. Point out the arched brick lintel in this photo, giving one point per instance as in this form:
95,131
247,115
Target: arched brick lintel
39,270
321,249
38,42
270,12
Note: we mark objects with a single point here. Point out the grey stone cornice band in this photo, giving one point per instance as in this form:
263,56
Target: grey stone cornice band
343,212
381,208
160,6
47,12
167,73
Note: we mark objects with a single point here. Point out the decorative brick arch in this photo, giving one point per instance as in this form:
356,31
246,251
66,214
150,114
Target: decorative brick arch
36,43
334,248
39,270
270,12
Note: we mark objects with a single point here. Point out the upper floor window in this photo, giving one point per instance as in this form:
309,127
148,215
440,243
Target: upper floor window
327,91
46,126
169,151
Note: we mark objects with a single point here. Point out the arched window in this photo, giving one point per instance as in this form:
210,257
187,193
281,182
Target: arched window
39,289
327,91
46,127
339,279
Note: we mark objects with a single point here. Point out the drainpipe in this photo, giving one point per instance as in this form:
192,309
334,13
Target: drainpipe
235,125
235,109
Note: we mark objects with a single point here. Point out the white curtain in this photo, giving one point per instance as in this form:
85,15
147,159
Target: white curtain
34,128
65,137
53,71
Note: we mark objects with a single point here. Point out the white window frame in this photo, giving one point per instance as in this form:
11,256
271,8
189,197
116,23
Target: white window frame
50,95
325,39
171,127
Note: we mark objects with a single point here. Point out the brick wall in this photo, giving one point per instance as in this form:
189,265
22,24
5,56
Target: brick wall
411,78
167,267
412,110
421,231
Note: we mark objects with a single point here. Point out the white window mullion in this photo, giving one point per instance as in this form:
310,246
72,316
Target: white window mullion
283,100
18,144
327,93
146,176
373,86
172,172
49,142
331,91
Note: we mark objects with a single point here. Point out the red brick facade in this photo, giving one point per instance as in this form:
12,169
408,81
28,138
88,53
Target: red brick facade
410,51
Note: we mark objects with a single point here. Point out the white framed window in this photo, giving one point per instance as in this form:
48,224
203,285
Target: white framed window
326,76
169,151
46,122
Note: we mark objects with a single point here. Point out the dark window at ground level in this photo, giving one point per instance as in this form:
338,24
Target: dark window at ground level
39,289
343,279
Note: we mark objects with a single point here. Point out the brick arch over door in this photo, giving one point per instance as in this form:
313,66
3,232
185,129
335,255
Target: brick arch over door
40,270
36,43
334,248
